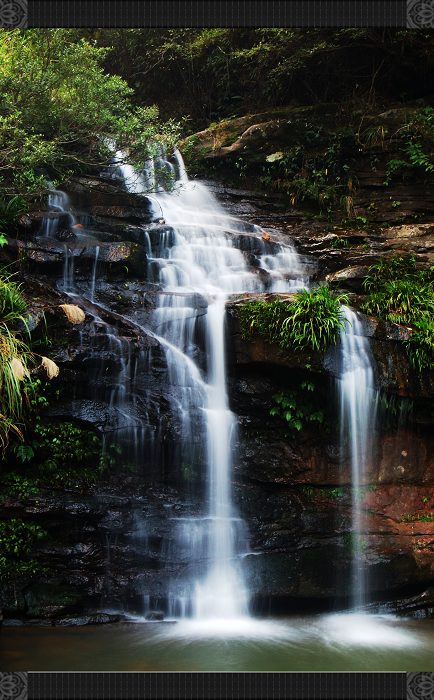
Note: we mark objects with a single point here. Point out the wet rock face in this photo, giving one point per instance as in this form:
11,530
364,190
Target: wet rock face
109,548
295,494
393,369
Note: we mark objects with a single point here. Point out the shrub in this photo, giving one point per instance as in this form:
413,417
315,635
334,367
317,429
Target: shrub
402,293
17,538
313,320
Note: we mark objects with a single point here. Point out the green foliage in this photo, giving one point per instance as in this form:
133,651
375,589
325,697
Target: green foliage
419,517
316,170
212,73
339,243
15,362
420,345
298,407
10,212
17,486
17,539
311,321
402,293
58,106
65,455
315,319
416,139
12,302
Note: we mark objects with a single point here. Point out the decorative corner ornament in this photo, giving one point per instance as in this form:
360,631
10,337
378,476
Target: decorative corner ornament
420,14
13,14
420,686
13,686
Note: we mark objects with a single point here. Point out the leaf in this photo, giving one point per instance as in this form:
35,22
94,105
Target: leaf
18,369
50,367
73,313
274,156
24,452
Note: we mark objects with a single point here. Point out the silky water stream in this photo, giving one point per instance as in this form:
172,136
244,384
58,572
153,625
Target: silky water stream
201,256
197,265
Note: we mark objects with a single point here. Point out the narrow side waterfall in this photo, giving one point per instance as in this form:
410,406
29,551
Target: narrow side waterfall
358,407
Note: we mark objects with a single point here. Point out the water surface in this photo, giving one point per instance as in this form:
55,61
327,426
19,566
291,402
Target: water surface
317,643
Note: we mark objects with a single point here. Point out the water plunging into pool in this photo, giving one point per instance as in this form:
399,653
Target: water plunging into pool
198,262
358,406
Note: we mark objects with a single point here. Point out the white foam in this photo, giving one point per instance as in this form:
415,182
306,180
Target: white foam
362,630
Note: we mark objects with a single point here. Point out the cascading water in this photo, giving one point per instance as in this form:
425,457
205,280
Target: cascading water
197,264
358,406
58,204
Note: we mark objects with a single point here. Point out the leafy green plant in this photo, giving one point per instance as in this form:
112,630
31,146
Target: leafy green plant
340,243
12,301
17,539
419,517
298,407
10,211
69,456
416,144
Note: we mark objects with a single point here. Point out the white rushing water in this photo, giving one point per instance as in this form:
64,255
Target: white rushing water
58,204
197,263
358,404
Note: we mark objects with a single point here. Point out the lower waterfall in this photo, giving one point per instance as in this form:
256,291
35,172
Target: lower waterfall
358,407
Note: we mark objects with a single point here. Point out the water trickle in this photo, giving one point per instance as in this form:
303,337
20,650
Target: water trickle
93,280
68,271
358,406
58,203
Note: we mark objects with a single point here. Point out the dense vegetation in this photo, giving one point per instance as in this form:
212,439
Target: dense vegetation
210,74
58,109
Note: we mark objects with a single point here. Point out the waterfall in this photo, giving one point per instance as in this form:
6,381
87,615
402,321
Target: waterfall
182,173
358,406
58,203
196,265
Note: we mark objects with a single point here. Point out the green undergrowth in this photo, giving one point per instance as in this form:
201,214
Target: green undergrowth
299,407
17,540
400,292
56,456
311,321
416,147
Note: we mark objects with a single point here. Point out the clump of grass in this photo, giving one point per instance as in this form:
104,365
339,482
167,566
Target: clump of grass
12,302
312,321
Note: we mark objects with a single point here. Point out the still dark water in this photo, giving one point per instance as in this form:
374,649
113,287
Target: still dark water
322,643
